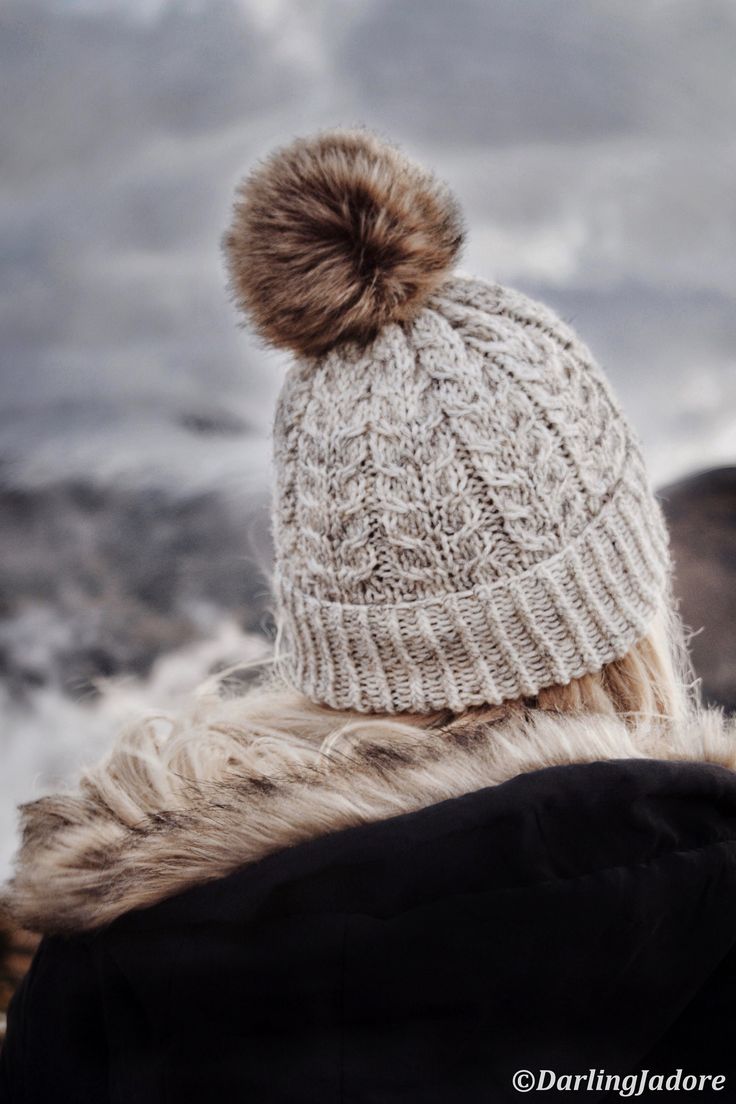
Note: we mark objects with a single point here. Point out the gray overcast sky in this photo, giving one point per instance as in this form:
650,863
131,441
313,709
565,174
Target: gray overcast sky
592,143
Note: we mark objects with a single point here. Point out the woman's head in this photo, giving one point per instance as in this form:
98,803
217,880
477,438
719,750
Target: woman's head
462,516
651,683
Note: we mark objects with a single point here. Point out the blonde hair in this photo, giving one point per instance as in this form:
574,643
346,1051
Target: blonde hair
653,679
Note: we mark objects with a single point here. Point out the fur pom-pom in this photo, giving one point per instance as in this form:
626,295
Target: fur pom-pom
336,235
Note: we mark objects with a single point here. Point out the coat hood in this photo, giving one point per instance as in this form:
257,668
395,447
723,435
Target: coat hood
401,916
150,822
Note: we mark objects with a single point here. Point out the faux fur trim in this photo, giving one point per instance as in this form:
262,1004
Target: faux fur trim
336,235
147,827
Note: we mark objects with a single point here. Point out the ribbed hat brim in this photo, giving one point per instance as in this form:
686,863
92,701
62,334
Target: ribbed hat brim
565,617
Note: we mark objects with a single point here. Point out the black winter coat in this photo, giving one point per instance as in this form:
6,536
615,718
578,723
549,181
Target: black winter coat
577,918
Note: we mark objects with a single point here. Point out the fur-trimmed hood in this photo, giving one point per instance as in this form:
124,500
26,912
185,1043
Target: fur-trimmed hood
167,811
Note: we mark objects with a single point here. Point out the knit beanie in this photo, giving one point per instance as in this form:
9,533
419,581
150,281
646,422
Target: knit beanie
461,511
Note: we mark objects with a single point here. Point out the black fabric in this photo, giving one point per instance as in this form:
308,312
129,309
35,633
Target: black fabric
579,917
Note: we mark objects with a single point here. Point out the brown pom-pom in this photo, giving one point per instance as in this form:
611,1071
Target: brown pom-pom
336,235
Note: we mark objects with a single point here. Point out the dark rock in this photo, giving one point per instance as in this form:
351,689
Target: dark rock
701,512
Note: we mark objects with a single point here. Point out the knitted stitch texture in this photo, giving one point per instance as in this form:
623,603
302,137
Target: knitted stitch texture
462,514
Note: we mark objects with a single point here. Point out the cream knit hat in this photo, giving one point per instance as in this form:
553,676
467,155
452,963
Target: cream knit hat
462,514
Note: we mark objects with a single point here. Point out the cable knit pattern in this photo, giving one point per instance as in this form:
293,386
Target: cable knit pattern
462,514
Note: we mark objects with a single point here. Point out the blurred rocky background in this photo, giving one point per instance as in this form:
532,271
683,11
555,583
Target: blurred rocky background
593,148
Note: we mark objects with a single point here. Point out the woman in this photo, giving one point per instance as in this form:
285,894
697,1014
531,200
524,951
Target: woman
473,834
